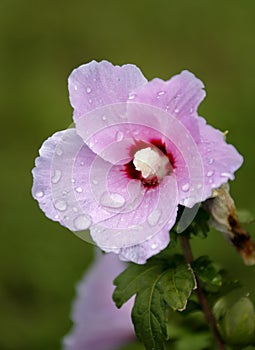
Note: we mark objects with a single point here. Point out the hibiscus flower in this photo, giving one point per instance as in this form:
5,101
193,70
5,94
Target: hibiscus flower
137,150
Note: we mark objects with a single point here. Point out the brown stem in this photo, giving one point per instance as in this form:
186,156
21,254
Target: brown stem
201,297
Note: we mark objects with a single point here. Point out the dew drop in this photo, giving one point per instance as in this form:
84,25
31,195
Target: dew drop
59,152
210,161
95,182
56,217
73,181
60,205
131,96
226,175
210,173
114,200
90,101
154,246
39,194
75,87
154,217
82,222
176,110
191,110
78,189
75,209
119,136
160,93
81,163
56,176
88,90
186,187
104,117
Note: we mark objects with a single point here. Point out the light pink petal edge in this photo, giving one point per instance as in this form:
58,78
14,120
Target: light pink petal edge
97,84
98,324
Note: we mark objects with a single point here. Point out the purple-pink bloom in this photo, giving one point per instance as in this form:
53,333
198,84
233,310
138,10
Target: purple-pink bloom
98,324
138,149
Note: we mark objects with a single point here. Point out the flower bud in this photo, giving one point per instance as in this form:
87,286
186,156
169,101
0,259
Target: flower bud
237,323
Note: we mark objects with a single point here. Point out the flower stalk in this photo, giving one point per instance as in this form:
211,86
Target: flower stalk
186,248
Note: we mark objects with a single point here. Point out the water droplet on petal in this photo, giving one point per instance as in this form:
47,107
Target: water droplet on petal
154,217
199,186
75,209
176,110
154,246
226,175
191,110
95,182
104,117
131,96
56,176
39,194
78,189
59,152
88,90
186,187
119,136
114,200
73,181
210,173
60,205
160,93
81,163
210,161
90,101
82,222
75,87
56,217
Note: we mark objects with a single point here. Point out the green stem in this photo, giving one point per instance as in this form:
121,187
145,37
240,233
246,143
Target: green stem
201,297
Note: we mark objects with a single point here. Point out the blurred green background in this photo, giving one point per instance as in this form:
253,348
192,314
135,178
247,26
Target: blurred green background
41,42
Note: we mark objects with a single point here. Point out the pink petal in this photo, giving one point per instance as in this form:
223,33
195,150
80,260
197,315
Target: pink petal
98,324
56,154
96,84
220,159
156,212
142,252
60,176
127,124
180,96
152,123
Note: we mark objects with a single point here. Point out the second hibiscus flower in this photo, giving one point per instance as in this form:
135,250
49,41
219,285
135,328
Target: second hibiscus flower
137,151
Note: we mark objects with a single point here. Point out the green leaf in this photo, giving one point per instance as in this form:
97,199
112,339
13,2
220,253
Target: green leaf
149,311
156,285
176,285
198,227
133,279
149,318
206,272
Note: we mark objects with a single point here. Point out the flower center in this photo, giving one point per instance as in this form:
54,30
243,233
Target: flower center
152,163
